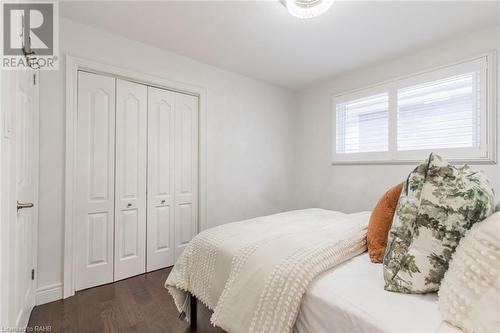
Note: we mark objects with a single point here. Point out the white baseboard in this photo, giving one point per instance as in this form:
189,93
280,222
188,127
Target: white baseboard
49,293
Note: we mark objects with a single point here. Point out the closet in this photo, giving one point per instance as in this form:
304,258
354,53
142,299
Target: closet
137,178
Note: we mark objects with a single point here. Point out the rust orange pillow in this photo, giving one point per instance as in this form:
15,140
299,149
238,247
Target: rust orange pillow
380,223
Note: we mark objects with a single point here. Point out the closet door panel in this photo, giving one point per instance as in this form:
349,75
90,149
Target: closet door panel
95,179
130,185
161,107
185,223
186,170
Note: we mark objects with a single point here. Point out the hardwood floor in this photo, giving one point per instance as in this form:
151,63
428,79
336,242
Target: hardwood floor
139,304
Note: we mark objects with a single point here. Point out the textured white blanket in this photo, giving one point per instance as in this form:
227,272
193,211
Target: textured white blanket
253,273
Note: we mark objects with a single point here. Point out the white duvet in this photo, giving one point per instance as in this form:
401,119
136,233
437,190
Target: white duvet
253,273
351,299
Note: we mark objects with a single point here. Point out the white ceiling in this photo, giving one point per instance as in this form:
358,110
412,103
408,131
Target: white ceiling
261,40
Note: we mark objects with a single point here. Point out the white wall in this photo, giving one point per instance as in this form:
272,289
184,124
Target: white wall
249,134
357,187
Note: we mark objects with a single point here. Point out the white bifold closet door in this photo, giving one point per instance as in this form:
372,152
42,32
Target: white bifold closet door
137,178
161,129
130,185
95,180
186,171
172,175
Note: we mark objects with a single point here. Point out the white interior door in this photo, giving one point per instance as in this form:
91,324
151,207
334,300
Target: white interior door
95,180
130,205
186,170
24,246
160,216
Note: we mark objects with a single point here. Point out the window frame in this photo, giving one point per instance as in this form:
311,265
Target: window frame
485,154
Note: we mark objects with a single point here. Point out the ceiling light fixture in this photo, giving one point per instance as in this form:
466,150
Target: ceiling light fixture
308,8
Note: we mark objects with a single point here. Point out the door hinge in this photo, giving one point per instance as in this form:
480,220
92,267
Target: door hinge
34,79
32,273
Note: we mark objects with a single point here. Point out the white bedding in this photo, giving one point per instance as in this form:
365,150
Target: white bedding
351,298
253,273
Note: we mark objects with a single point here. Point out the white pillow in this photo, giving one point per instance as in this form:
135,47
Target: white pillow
469,296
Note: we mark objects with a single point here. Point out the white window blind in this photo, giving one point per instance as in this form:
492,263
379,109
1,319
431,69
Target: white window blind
446,110
440,114
362,125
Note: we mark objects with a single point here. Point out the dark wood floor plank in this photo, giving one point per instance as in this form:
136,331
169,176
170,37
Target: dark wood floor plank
128,304
139,304
70,320
113,318
89,311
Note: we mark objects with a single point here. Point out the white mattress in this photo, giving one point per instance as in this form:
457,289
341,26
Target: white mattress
351,298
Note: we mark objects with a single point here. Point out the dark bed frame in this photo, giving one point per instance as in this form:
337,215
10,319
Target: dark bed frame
194,311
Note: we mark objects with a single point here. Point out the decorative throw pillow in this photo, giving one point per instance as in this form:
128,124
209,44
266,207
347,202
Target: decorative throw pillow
381,221
470,291
438,204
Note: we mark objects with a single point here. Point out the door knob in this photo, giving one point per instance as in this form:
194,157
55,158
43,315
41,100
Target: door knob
129,205
21,205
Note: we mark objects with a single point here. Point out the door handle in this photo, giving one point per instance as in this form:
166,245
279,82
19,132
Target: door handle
21,205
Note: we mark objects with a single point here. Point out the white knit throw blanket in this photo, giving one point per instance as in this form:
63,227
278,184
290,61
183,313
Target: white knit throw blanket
253,273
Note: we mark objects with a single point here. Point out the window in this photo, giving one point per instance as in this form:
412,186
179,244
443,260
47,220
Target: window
440,114
447,110
362,124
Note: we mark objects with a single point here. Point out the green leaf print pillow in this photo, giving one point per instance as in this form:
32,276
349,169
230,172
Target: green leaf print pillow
438,204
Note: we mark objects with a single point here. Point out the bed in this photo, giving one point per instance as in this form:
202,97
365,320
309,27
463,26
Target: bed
300,271
351,298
